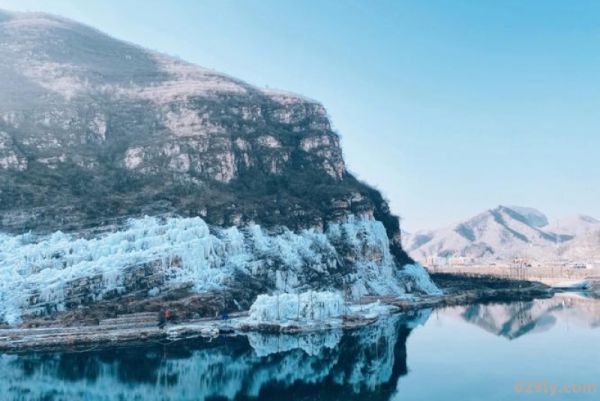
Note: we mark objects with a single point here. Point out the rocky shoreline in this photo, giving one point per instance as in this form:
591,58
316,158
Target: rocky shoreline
139,328
462,290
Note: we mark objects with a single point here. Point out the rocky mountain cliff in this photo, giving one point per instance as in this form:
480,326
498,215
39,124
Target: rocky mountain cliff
95,131
92,128
508,232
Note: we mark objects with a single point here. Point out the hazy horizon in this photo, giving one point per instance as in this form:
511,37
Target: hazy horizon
450,109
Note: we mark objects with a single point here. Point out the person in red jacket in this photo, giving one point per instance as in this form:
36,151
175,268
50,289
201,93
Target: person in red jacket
164,316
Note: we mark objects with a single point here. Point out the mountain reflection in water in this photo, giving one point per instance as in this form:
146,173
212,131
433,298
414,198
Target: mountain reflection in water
515,319
369,363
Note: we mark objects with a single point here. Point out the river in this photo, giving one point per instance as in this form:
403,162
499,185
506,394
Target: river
543,349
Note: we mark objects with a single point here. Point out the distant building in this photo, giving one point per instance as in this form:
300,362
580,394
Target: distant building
434,261
460,261
583,265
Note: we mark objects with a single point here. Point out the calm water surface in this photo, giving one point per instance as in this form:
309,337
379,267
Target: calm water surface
479,352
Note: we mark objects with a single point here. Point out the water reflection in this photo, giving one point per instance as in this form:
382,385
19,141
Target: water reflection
515,319
332,365
363,364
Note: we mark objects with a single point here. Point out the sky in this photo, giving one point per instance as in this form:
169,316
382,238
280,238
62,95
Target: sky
449,108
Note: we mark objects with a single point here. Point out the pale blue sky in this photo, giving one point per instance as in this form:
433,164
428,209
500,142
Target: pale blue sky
448,107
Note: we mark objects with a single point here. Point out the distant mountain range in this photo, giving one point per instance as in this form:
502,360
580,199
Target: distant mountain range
508,232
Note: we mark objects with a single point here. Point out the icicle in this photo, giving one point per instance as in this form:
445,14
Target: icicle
185,250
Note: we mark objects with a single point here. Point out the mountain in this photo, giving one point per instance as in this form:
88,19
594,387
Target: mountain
509,232
245,189
93,128
584,246
575,225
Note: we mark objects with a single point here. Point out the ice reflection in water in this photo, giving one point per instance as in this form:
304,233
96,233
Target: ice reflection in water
460,353
334,364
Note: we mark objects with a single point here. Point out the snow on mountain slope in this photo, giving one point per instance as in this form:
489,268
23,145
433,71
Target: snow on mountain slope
504,233
574,225
585,247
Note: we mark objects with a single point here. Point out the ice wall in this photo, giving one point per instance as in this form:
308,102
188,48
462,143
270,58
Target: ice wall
305,306
35,271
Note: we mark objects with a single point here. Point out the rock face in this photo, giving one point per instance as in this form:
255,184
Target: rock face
94,131
92,128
